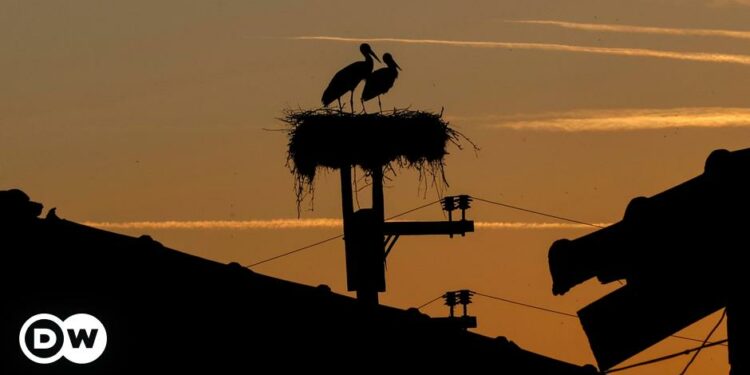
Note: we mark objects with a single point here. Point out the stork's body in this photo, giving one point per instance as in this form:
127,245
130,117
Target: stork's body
347,79
381,80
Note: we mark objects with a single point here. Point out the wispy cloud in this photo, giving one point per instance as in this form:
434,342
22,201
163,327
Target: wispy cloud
275,224
729,2
527,225
220,224
612,51
619,120
738,34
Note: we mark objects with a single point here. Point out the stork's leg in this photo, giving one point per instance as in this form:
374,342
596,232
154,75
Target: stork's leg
340,107
380,105
364,110
351,101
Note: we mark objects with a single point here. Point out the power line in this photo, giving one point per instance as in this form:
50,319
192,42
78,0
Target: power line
666,357
294,251
413,209
689,339
535,212
526,305
416,209
561,312
430,301
566,314
332,238
695,355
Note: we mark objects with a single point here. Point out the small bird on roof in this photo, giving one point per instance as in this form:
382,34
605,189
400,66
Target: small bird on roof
347,79
380,81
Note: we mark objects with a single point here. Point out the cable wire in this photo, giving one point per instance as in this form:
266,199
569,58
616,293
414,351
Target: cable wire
569,315
666,357
695,355
413,209
416,209
294,251
331,238
430,301
535,212
689,339
526,305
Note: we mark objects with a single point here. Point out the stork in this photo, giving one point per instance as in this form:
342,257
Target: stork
347,79
381,80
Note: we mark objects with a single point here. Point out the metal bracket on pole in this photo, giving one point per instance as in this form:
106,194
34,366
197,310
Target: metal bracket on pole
388,247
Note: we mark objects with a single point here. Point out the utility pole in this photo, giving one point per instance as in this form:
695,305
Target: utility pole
374,142
368,239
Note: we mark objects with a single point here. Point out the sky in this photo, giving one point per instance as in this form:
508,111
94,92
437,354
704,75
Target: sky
159,117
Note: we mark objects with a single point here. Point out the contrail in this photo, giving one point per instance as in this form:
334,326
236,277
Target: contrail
220,224
737,34
527,225
620,120
275,224
731,2
630,52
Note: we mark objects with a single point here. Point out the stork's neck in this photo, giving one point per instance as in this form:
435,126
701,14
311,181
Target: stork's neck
369,62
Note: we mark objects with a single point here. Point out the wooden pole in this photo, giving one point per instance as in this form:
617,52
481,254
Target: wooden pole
369,294
347,207
378,204
347,211
360,242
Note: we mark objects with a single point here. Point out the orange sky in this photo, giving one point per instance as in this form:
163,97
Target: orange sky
154,111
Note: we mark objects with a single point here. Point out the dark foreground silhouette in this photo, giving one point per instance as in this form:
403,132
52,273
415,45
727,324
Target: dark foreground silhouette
169,312
683,253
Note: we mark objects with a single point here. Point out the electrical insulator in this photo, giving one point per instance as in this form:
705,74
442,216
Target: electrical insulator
464,296
464,202
450,299
449,204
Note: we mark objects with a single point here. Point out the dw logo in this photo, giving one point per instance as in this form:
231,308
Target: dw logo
81,338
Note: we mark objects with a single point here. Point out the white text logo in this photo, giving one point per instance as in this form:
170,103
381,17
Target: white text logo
44,338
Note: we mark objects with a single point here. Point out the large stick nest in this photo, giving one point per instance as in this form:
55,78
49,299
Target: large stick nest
334,139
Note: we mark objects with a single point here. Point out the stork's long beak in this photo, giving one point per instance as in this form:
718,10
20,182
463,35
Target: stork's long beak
397,67
375,56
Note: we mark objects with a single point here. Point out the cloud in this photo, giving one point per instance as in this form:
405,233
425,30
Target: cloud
640,29
729,2
275,224
527,225
221,224
612,51
620,120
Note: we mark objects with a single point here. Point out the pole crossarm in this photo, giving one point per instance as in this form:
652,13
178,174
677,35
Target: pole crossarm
423,228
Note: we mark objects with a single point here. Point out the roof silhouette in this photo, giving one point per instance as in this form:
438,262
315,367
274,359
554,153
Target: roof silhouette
682,254
168,311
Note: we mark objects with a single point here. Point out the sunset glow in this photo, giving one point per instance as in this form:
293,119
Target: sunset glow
162,118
